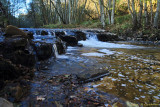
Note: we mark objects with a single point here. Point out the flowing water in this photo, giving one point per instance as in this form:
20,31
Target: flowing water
134,70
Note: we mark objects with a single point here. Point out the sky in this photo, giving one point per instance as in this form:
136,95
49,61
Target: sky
23,10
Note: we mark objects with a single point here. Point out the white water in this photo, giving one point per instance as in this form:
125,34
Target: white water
107,52
92,41
55,50
104,47
56,53
93,54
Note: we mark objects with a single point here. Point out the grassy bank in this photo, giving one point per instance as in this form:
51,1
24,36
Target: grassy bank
121,23
85,24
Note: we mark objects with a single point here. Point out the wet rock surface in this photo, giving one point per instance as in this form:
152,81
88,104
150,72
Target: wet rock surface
43,50
70,40
107,37
80,35
58,33
18,50
44,32
61,46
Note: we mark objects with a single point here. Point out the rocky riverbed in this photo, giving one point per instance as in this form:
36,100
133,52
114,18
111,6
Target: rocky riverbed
68,67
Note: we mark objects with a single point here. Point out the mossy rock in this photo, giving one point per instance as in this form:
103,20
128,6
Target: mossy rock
12,30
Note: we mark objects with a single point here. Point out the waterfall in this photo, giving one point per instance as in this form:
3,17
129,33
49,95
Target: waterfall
55,50
92,37
92,41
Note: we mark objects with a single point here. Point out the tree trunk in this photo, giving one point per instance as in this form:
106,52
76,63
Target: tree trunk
59,15
151,14
157,14
134,14
45,20
65,12
130,9
113,10
146,13
69,11
109,11
140,13
102,13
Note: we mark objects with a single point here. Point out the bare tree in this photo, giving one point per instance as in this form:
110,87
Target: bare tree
140,13
146,13
113,12
133,14
157,14
151,14
101,2
109,11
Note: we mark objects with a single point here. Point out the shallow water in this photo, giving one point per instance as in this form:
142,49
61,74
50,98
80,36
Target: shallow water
134,70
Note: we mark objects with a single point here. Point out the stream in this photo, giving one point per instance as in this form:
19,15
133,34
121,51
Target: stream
131,73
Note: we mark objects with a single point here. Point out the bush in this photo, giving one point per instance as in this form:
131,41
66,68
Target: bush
122,19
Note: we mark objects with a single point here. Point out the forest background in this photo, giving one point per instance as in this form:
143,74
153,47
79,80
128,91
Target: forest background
111,15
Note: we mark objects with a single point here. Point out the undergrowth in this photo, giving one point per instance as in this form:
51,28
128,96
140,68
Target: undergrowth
121,23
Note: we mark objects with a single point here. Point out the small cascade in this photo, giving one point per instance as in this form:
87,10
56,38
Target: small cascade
92,41
91,36
55,50
65,32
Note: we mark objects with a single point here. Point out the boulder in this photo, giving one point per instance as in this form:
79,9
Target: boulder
43,50
18,50
70,40
22,57
107,37
80,35
44,32
30,34
8,71
12,44
59,33
5,103
61,46
12,30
